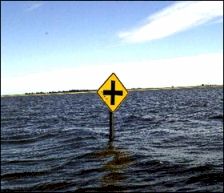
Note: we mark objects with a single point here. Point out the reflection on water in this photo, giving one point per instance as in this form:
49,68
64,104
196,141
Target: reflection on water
114,168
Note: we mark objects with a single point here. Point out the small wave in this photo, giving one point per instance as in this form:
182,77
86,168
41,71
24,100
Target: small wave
26,140
130,118
17,175
109,188
159,133
28,160
52,186
206,178
217,117
15,118
198,104
148,118
165,167
140,119
205,168
89,171
153,165
118,188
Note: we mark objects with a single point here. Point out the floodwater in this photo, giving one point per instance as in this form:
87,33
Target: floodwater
165,140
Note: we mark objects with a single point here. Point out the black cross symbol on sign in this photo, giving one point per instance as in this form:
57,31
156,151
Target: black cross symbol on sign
113,92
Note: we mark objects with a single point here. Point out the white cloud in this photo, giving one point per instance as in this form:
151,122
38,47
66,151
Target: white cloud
176,18
182,71
34,5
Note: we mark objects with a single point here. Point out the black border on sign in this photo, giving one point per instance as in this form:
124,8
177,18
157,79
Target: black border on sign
122,99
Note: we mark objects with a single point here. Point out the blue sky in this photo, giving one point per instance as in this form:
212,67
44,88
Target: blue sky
73,45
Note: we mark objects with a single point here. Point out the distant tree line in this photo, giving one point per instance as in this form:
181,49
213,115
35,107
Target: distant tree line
57,92
32,93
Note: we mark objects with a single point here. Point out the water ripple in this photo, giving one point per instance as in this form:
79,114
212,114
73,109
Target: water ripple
165,140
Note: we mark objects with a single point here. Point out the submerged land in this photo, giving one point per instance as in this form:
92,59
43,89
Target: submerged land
76,91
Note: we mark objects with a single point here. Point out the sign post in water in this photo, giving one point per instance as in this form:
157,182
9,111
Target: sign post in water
113,93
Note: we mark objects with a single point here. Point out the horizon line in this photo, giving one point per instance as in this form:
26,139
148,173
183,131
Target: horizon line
89,90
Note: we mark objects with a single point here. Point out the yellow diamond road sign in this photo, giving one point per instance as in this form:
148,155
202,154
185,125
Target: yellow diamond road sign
112,92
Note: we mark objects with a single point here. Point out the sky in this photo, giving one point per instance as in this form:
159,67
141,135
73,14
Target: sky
58,45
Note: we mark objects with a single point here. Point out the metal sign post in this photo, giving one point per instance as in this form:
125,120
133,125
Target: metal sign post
111,134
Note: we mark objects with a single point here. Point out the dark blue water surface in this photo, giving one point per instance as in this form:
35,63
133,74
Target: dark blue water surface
165,140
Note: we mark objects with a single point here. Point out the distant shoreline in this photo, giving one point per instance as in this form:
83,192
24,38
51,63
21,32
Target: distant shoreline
94,91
